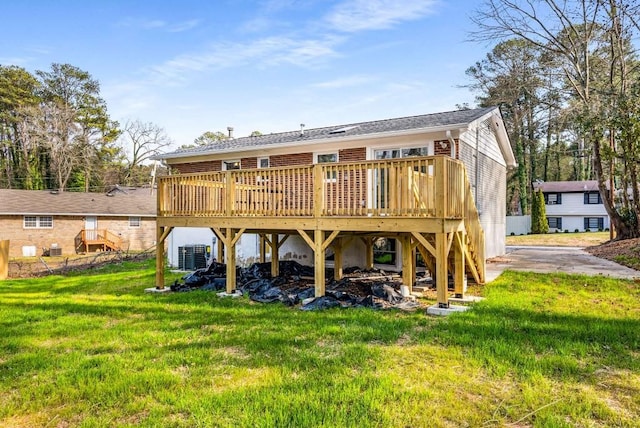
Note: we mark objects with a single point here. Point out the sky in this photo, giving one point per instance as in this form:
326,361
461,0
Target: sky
192,66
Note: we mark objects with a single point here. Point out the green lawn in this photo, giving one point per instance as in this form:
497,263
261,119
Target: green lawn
93,350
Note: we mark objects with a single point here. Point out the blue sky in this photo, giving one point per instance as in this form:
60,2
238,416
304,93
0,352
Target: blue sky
268,65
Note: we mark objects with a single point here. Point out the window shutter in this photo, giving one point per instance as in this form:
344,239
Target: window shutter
559,198
586,223
559,226
586,199
600,223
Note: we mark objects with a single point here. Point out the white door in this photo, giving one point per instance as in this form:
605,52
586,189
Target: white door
91,228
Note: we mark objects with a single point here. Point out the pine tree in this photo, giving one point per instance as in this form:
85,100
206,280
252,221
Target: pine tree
539,222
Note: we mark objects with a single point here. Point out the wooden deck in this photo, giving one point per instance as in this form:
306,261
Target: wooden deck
97,239
425,203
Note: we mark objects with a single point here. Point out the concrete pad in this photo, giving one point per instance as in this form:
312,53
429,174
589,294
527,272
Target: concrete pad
435,310
157,290
571,260
466,299
234,295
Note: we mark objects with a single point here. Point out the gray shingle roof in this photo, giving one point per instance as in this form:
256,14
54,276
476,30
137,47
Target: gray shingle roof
135,202
567,186
426,121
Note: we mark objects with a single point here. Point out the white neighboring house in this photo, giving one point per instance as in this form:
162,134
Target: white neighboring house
573,205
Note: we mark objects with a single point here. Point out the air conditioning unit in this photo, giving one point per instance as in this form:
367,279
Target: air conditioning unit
192,257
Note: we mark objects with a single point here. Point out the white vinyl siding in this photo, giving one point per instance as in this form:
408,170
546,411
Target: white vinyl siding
573,204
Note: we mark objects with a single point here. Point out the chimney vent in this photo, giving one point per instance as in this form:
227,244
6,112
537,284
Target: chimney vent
301,129
230,130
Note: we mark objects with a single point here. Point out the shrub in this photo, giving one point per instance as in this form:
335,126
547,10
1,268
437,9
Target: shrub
539,223
566,231
577,230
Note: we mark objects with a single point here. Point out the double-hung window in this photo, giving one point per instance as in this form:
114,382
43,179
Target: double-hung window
38,222
592,198
554,222
553,198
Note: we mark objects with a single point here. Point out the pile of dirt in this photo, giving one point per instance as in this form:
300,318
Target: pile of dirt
625,252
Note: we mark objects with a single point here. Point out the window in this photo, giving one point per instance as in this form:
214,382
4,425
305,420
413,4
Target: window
401,153
553,198
263,162
328,158
415,151
554,222
134,221
384,251
596,223
592,198
230,165
38,222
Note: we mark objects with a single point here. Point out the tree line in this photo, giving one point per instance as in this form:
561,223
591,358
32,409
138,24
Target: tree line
567,78
56,133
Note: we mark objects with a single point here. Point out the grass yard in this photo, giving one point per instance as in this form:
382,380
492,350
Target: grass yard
561,239
93,350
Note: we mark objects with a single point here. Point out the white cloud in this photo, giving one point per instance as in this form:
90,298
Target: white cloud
19,61
158,24
345,82
269,51
183,26
359,15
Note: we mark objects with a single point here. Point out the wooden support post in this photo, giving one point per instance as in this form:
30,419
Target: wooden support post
275,256
319,262
161,234
408,274
459,275
230,259
337,258
442,281
368,245
220,248
263,249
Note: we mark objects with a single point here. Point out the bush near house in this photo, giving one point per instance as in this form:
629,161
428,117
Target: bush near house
539,222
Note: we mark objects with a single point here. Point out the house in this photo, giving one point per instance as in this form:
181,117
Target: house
69,222
359,194
573,205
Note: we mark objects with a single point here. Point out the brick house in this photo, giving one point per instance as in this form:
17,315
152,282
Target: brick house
362,193
71,222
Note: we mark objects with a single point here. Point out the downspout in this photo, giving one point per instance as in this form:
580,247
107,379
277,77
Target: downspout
453,144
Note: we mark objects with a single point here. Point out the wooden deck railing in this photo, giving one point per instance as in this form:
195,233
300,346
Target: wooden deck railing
433,187
102,237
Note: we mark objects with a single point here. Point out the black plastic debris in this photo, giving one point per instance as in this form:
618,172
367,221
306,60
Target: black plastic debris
325,302
364,288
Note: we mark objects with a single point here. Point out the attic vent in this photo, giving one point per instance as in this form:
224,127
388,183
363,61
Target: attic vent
342,130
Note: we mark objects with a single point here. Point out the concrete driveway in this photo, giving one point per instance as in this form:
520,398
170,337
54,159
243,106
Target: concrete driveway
572,260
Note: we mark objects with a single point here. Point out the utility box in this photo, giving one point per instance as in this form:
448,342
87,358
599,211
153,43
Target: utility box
192,257
4,259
